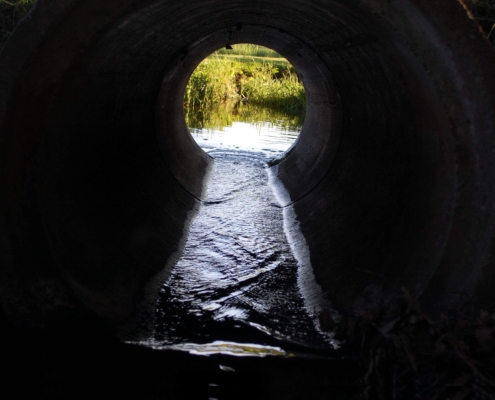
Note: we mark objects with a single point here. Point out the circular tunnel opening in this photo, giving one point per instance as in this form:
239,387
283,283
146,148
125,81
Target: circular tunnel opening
319,137
247,97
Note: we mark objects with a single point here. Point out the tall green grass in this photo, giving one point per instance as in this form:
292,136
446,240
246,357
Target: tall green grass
281,63
11,12
218,80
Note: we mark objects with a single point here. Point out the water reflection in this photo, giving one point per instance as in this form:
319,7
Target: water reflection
245,126
235,289
227,348
239,111
269,137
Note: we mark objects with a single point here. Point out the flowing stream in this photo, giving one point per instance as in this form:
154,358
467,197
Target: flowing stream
235,288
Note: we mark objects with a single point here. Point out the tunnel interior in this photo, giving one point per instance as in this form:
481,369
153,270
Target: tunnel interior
390,182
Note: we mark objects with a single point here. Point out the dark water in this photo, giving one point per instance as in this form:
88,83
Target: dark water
236,288
240,297
236,282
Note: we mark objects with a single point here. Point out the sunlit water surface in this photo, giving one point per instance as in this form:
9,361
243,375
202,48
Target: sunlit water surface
234,290
269,137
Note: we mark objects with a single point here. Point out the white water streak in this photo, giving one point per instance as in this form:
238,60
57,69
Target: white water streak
315,300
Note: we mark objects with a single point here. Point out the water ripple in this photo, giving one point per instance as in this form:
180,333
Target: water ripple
237,278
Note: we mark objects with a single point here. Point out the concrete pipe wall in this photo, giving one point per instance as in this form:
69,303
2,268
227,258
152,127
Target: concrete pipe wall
391,181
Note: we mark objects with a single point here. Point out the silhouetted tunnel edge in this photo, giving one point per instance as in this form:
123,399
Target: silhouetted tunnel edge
391,181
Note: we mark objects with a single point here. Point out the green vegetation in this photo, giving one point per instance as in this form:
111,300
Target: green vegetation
11,12
280,63
223,81
252,50
247,53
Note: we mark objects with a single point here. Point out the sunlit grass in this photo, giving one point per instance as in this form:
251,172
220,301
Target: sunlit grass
281,63
219,80
248,49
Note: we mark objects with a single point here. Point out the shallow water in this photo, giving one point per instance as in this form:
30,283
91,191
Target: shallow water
235,289
270,137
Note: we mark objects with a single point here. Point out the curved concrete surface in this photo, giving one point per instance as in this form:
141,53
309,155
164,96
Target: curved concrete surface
392,179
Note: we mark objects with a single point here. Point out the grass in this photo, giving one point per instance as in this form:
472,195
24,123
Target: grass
281,63
219,80
253,50
11,12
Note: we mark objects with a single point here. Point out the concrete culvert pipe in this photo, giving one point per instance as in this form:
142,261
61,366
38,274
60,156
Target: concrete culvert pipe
391,182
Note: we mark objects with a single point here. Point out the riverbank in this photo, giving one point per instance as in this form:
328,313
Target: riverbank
226,81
